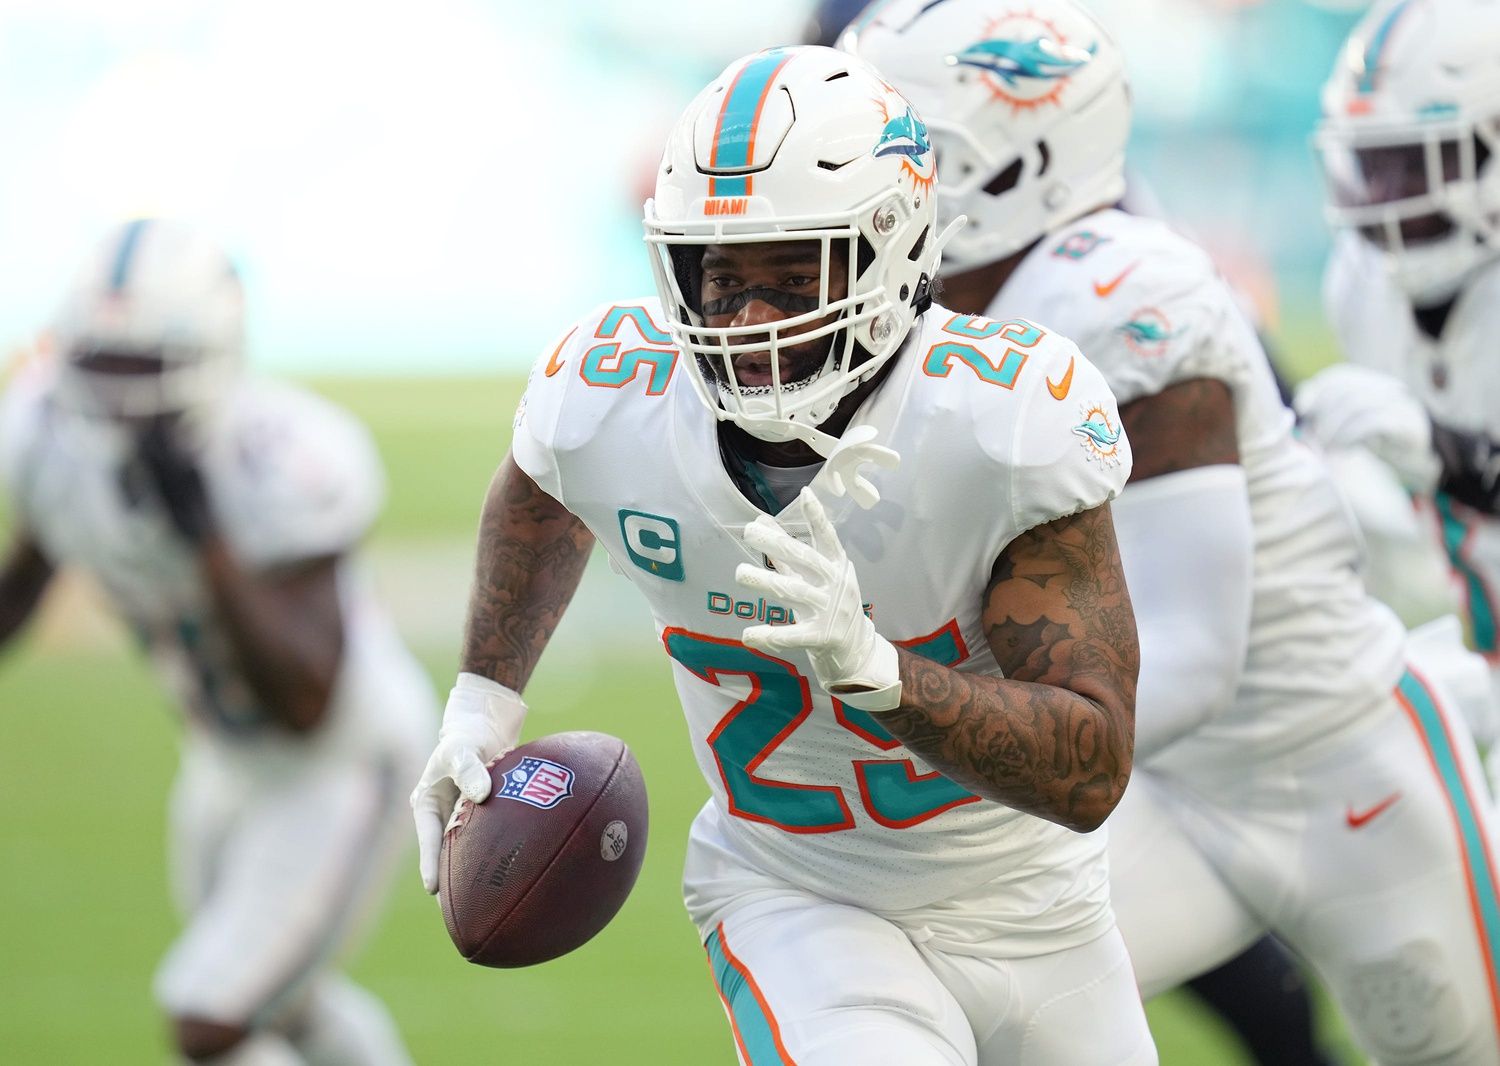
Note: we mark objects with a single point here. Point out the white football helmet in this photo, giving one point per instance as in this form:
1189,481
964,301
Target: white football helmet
1028,107
1409,138
796,145
152,324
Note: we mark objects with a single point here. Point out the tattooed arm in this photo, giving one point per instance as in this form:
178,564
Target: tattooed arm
1054,736
532,552
531,557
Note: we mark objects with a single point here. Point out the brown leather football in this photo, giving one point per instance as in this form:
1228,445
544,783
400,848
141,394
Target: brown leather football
544,863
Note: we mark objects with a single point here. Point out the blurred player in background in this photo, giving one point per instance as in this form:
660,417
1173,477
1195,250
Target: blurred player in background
1260,994
1295,774
910,692
219,514
1410,145
828,19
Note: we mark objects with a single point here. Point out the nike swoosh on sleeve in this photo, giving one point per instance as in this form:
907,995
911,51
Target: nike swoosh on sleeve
1108,287
553,365
1059,389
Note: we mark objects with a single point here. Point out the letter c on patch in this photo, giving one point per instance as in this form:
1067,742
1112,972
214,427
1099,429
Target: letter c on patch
652,542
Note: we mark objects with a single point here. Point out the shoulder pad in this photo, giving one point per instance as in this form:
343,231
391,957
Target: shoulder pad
1146,306
616,354
297,476
1038,410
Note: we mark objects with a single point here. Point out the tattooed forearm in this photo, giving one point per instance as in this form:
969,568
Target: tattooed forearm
531,557
1054,736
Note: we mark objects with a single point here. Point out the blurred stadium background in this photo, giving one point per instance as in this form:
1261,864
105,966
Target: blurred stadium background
421,195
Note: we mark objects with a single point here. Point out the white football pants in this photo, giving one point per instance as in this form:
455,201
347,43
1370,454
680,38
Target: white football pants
1372,857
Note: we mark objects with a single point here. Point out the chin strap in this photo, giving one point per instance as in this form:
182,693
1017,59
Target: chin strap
782,431
921,300
841,473
845,457
949,232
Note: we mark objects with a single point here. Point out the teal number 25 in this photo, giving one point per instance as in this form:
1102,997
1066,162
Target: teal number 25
891,791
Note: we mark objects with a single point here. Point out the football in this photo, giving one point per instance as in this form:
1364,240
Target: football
542,865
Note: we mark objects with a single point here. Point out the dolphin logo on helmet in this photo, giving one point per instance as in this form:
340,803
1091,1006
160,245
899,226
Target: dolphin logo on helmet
904,135
1010,60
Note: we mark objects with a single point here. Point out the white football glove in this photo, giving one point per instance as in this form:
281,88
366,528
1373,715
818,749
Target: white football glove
1348,406
481,722
841,472
850,659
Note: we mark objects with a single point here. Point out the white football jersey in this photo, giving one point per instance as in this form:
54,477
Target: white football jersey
1456,376
289,476
1002,426
1149,309
1457,379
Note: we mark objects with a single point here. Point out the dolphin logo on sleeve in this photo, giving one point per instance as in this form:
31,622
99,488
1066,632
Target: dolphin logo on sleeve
1145,332
1098,436
1100,432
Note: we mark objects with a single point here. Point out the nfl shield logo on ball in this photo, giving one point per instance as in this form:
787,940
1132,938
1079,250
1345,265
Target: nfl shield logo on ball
539,782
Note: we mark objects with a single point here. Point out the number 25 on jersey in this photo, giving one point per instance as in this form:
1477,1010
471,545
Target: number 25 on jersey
891,791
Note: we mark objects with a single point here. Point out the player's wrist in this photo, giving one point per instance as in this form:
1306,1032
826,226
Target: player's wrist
485,711
876,685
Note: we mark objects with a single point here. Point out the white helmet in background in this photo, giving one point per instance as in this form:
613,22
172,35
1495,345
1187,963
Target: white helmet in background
153,323
1409,139
1028,107
806,145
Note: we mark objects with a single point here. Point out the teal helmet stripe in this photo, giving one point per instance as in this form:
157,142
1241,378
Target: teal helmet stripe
734,137
1479,864
1370,61
129,241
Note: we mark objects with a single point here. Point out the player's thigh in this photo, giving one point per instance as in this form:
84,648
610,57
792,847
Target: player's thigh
204,803
1178,916
1077,1007
816,983
306,859
1401,916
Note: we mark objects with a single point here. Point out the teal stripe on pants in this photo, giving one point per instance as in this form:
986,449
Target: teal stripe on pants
750,1020
1439,744
1481,610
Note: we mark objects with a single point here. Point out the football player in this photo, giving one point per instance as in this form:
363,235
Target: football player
219,514
880,559
1297,770
1410,143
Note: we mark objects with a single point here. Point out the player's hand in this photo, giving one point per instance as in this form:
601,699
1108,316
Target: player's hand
850,659
841,472
176,478
1348,406
481,722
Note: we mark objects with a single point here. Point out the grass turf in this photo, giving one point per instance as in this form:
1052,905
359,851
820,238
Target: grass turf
88,913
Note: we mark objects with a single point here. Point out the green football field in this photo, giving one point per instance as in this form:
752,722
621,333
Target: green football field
88,755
